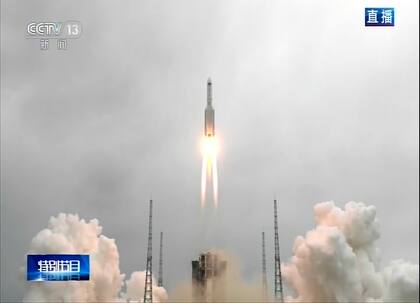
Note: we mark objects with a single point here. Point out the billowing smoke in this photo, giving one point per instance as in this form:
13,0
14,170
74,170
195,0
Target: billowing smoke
338,261
135,288
67,234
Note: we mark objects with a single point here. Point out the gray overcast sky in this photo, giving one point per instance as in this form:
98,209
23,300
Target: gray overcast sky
310,106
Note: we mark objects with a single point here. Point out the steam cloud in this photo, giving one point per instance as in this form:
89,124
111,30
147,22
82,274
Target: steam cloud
135,288
338,261
67,233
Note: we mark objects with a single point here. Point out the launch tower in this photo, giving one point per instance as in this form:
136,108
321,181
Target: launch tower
278,285
148,291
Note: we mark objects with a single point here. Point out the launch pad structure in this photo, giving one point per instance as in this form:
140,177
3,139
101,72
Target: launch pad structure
208,277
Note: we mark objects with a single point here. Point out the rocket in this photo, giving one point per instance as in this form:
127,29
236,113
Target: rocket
209,113
209,150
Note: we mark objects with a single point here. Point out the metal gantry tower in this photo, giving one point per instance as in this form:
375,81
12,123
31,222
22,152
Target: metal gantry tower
278,285
264,269
148,288
160,278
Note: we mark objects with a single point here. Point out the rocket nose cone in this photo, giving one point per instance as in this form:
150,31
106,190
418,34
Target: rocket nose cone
209,81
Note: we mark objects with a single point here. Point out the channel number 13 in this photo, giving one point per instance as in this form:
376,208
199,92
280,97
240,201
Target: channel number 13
73,29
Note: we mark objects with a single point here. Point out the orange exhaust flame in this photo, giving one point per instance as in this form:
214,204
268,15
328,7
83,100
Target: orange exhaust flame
215,185
209,149
203,181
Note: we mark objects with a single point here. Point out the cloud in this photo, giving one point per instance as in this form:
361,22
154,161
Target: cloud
135,288
338,261
67,234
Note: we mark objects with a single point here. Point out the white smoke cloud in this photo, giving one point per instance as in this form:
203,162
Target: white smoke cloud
401,281
135,288
338,261
67,234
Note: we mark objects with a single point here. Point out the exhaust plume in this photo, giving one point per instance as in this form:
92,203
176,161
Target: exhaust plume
209,151
338,261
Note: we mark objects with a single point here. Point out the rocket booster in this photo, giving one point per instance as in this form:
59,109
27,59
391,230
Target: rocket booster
209,113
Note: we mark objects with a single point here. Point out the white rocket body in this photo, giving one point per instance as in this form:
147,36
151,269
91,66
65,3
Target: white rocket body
209,113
